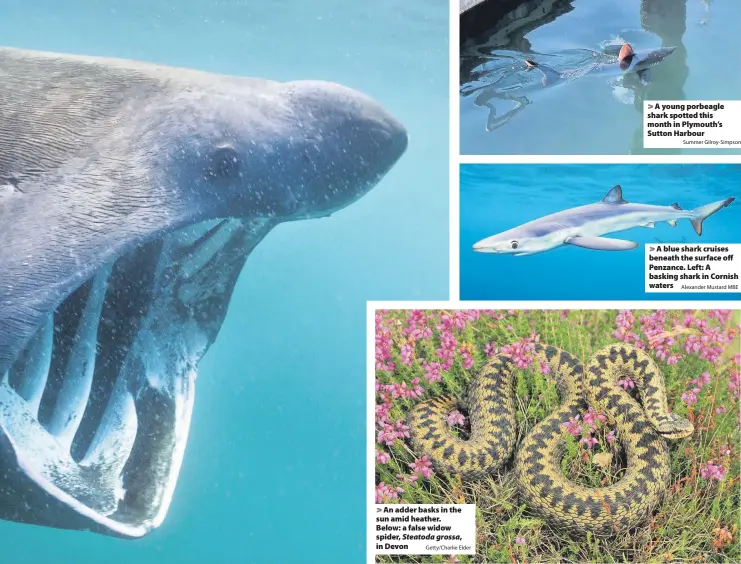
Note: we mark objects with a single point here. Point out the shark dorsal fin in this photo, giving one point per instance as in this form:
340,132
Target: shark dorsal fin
675,205
626,51
614,196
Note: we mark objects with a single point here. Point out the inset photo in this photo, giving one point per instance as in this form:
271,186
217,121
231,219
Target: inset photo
585,435
571,76
600,232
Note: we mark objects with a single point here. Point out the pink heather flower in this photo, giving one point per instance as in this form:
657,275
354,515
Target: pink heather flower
519,540
624,331
591,416
382,412
734,383
490,349
626,383
725,450
520,352
564,313
416,390
389,433
382,457
720,410
690,396
415,324
411,391
589,441
712,471
467,360
408,478
610,437
432,371
722,315
385,494
573,426
423,466
674,359
453,559
545,369
384,342
448,348
456,418
406,354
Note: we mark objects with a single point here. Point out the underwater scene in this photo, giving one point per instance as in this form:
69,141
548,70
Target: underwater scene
580,232
131,194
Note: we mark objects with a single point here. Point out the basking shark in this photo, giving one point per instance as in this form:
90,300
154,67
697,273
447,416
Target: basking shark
585,226
131,195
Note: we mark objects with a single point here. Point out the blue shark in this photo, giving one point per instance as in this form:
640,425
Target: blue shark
584,226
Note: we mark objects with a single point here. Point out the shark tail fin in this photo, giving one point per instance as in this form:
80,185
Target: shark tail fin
550,75
703,212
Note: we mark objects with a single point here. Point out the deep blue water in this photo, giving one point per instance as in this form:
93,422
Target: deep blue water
596,115
495,198
275,466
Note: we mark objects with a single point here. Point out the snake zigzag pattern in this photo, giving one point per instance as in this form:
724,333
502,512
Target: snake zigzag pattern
562,502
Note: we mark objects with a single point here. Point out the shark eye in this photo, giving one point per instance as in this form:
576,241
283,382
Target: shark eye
515,244
224,163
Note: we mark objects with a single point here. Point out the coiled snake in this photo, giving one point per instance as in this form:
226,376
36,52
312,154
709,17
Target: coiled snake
564,503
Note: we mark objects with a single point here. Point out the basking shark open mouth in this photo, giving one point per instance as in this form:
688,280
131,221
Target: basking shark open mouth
97,407
131,195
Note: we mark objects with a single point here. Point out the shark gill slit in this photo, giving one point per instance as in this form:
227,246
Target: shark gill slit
68,371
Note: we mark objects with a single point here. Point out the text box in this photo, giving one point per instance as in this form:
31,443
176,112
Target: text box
680,267
692,124
424,529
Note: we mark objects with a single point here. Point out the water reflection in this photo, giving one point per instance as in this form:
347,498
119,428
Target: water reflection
667,20
494,75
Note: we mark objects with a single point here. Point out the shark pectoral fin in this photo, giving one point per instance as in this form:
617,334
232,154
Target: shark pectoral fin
601,243
649,224
672,222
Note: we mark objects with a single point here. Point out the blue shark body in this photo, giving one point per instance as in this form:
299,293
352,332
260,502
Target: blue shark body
584,226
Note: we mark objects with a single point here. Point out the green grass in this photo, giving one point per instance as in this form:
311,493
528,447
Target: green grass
699,518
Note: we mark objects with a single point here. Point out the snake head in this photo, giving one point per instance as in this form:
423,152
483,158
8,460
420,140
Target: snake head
675,427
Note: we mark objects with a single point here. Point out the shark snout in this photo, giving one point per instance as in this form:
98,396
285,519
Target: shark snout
488,246
647,59
481,247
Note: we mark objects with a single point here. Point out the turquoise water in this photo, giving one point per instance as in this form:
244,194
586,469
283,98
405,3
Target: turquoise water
275,466
594,114
495,198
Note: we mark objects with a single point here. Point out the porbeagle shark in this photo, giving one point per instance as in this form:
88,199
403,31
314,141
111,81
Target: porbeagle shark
584,226
628,61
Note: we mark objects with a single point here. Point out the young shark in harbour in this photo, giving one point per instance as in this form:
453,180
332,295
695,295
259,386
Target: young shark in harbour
584,226
630,67
628,61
